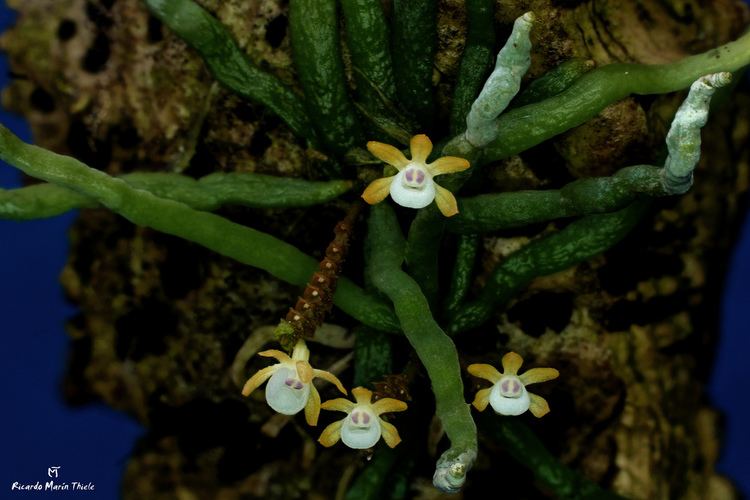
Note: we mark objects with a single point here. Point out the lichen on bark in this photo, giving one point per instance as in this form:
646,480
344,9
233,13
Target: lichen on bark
161,319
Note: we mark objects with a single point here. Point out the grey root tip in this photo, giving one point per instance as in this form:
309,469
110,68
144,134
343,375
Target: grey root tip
450,474
716,80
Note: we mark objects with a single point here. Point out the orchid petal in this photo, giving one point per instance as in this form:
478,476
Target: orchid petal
330,377
388,154
300,352
282,357
538,405
312,408
256,380
536,375
387,405
362,396
482,399
511,363
484,371
445,200
421,147
378,190
448,165
331,434
390,433
338,404
304,371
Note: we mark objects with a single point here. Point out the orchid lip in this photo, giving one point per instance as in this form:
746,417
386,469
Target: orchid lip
414,177
410,195
510,387
285,393
504,405
361,429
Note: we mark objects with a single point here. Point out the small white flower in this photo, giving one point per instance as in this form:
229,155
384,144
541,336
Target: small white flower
413,186
290,388
508,395
362,427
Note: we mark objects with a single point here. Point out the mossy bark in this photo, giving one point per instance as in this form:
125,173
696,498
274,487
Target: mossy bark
632,332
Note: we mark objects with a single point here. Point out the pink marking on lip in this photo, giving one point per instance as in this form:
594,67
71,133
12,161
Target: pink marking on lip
516,388
355,417
298,385
420,176
289,382
409,175
504,386
365,418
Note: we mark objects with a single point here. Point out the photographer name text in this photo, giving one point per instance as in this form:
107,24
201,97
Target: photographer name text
52,486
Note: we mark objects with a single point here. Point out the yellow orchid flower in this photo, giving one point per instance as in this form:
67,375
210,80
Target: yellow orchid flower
508,395
290,387
362,427
413,186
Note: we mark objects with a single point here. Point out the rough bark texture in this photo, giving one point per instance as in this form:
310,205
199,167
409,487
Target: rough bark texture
161,320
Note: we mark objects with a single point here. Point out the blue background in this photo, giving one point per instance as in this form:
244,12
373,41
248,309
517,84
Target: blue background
92,444
37,430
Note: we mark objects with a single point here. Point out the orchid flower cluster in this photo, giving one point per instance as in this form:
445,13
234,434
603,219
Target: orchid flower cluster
290,388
